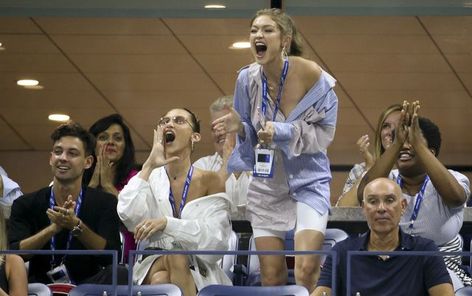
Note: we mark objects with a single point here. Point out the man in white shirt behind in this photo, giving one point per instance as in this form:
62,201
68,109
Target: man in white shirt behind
236,183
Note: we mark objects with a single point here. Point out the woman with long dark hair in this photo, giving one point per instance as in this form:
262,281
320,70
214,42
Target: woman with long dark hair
114,163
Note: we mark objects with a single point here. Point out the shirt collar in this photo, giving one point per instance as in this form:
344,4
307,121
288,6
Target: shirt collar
406,241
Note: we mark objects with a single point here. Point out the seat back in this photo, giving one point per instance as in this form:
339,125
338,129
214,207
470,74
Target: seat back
228,261
122,290
221,290
332,236
38,289
466,291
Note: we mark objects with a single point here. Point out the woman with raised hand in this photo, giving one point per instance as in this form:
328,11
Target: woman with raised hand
384,137
285,112
114,164
170,205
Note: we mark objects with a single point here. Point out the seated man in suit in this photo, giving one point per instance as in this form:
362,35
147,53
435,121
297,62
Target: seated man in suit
383,204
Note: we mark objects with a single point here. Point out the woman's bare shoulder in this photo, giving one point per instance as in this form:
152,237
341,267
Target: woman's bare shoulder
307,70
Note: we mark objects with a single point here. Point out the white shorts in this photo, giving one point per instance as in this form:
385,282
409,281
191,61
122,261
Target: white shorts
307,219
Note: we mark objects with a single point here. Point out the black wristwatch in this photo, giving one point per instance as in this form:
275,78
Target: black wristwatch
77,230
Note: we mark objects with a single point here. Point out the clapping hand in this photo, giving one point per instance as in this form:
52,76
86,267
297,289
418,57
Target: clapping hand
63,217
363,144
103,173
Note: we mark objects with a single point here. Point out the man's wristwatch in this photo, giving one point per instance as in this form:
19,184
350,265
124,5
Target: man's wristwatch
77,230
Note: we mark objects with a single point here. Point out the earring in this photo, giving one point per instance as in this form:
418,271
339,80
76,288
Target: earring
192,145
284,54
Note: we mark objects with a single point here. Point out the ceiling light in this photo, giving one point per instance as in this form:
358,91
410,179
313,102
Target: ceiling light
27,82
1,46
215,6
58,117
240,45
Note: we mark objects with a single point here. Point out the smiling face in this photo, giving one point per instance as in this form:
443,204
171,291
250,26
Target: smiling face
68,160
113,141
387,130
266,40
383,205
408,165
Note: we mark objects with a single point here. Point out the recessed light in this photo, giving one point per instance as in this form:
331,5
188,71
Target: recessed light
1,46
215,6
27,82
240,45
58,117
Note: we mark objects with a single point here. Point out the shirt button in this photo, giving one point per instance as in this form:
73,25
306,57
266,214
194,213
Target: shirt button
294,194
290,176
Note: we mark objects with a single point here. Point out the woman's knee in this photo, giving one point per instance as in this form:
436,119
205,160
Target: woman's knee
307,266
177,262
273,271
160,277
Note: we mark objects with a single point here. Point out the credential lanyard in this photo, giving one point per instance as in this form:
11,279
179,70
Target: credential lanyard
265,98
53,238
419,199
184,194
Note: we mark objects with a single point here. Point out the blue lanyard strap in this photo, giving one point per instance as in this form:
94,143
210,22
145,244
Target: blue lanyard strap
52,203
184,194
419,198
265,98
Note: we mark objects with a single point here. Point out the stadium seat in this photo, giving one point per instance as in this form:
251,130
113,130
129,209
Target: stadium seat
38,289
466,291
59,289
332,236
144,290
222,290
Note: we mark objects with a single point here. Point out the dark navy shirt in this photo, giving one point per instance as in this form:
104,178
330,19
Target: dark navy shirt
397,275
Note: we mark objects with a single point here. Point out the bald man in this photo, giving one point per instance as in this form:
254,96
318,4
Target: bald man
383,205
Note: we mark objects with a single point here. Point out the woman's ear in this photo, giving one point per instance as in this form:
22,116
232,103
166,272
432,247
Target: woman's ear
286,41
196,137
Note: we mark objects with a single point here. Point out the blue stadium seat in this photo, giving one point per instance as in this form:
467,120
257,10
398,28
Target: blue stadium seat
38,289
466,291
332,236
144,290
221,290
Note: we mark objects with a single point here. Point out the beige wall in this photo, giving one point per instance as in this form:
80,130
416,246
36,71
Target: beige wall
31,170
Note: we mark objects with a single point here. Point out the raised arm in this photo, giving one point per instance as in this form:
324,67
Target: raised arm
450,190
384,164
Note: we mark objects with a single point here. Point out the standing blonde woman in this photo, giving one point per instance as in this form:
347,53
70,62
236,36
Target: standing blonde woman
285,116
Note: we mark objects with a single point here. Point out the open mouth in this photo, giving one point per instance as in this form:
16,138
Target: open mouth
169,136
405,155
261,48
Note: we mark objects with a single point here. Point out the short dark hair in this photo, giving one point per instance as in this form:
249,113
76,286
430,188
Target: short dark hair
73,129
127,161
431,133
195,121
